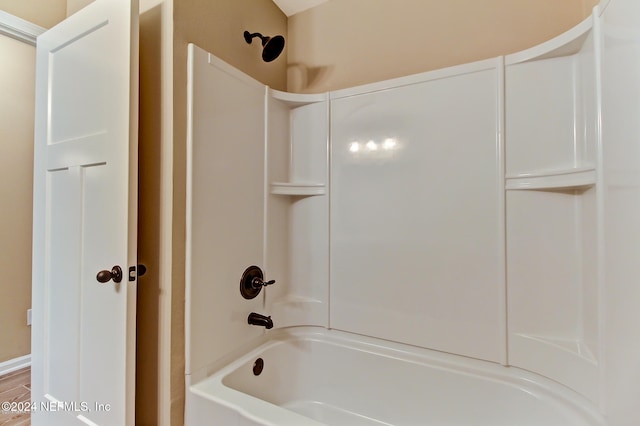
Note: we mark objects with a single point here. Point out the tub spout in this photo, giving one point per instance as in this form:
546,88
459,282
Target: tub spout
261,320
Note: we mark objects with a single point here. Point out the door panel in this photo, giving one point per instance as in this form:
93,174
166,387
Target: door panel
63,295
76,101
103,312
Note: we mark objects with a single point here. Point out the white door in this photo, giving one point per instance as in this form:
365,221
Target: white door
85,212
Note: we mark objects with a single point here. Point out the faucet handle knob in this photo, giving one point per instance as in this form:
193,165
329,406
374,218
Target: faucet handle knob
252,282
258,283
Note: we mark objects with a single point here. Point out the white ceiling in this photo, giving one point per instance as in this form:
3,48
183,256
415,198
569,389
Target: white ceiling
291,7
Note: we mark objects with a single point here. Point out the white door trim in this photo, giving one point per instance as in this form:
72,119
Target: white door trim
19,29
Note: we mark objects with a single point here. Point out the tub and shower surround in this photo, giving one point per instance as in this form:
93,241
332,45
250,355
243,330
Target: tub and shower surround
370,180
462,210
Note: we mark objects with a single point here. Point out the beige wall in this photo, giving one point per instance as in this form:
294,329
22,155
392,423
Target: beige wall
17,85
217,27
75,5
344,43
149,303
45,13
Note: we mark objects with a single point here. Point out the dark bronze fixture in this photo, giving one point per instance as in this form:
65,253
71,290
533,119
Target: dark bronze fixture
137,272
114,274
271,46
252,282
258,365
261,320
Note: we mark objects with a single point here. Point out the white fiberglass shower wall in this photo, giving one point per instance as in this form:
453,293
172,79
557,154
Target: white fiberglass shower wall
417,230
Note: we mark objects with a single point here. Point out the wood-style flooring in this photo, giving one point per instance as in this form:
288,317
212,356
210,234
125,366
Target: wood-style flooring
15,387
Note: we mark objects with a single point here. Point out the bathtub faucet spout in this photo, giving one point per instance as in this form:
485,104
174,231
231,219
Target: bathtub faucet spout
261,320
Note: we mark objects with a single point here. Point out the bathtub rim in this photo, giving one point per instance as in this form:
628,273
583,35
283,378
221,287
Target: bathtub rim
203,382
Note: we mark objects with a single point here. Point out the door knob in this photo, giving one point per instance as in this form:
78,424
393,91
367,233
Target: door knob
114,274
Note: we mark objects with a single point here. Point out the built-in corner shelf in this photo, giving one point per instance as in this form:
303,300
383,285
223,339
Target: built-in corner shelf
576,347
573,178
531,351
302,189
565,44
294,100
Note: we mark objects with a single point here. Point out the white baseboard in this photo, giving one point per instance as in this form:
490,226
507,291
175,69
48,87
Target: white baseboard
15,364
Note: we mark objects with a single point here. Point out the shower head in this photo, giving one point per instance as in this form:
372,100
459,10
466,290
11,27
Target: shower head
271,46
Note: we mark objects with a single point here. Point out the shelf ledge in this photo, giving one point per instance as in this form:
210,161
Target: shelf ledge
579,177
566,44
575,347
298,188
294,100
298,300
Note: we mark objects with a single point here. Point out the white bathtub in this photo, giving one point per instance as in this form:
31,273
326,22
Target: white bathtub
313,377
